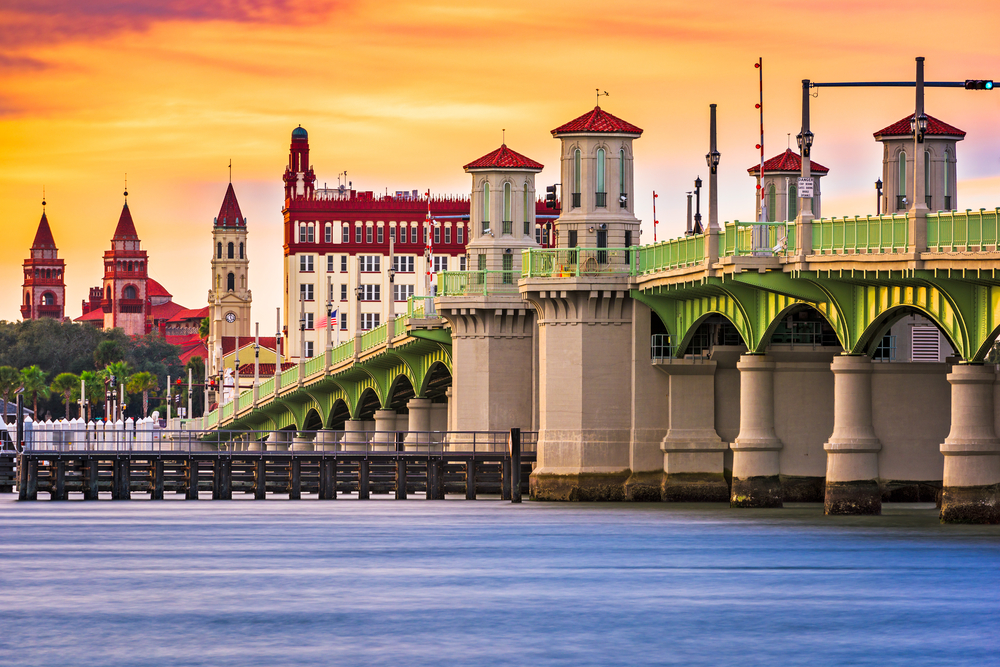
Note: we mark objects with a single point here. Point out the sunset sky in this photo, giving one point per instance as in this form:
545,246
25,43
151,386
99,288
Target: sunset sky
401,95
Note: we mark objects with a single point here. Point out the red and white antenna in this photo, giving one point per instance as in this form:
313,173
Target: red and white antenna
655,221
760,173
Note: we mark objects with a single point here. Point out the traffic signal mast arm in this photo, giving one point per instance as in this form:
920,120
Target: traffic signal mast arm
969,84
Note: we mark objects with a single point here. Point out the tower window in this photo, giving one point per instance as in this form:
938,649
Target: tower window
129,292
219,250
230,251
623,194
486,207
241,251
772,202
602,195
231,282
48,299
577,168
527,211
507,204
793,201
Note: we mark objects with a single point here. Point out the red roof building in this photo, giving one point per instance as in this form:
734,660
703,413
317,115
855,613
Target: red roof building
597,120
786,162
504,158
935,127
44,287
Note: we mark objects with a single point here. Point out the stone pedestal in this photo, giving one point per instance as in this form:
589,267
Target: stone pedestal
354,436
693,453
852,450
418,435
384,438
303,442
277,441
756,481
325,441
971,450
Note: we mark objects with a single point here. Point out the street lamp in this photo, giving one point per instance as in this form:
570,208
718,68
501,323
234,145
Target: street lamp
805,142
712,159
697,205
878,199
918,126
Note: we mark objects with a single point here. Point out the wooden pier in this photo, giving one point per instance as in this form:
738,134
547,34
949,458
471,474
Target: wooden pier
328,475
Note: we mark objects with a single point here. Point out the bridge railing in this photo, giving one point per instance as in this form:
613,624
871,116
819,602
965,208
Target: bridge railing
315,364
963,231
266,387
466,283
673,254
374,337
420,307
761,239
163,440
342,352
289,377
858,235
245,400
575,262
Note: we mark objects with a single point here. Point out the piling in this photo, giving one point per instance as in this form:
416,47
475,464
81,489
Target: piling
515,465
91,478
156,490
295,479
363,479
191,493
59,483
470,478
260,479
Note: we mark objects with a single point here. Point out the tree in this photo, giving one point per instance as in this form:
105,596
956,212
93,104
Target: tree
120,371
203,328
108,352
66,385
94,387
143,382
33,378
10,380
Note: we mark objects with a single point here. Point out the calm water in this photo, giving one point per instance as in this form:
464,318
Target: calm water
488,583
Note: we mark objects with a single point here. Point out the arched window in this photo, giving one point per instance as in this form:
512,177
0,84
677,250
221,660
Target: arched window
772,201
577,168
27,298
129,292
927,177
902,174
622,200
231,282
947,181
128,267
230,255
48,299
527,211
486,207
507,204
219,250
241,251
793,201
602,195
107,293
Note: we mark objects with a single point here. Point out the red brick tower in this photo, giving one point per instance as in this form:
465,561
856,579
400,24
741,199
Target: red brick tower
44,290
125,274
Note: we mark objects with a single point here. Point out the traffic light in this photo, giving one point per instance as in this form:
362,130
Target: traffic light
179,382
550,196
979,84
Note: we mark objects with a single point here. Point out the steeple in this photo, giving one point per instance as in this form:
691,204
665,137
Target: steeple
44,287
229,296
299,177
43,237
230,214
125,228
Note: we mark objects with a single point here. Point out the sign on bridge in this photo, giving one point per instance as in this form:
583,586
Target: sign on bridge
805,187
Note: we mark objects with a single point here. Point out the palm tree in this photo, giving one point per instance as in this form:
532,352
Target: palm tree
33,378
66,384
143,382
94,386
10,380
120,371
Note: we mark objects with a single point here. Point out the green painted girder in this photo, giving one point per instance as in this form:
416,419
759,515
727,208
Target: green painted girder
859,308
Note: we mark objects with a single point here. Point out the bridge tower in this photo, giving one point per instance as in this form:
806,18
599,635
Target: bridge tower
586,320
492,328
229,298
44,285
940,161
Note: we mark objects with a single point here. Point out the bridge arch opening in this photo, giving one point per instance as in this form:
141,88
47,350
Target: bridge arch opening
801,324
312,422
436,383
400,393
714,329
907,334
339,414
367,405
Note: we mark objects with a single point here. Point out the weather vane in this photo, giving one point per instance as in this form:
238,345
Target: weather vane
600,94
43,198
126,186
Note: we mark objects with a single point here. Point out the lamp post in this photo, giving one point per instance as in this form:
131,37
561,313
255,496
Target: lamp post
697,206
878,198
804,140
712,159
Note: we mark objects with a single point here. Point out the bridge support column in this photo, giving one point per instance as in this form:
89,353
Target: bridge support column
326,441
693,453
277,442
354,435
756,481
302,442
418,435
384,438
971,450
852,450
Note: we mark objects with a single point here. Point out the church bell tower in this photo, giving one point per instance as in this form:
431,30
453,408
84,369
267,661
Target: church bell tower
229,298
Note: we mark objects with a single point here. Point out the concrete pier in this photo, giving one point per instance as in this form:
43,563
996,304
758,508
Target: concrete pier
756,471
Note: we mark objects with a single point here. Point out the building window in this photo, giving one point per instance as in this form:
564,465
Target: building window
402,233
231,282
343,321
345,234
343,263
368,234
508,267
329,263
425,235
308,345
507,204
772,203
305,291
793,201
482,261
527,211
309,322
370,263
343,291
402,292
577,167
371,292
461,263
306,234
538,235
130,293
447,234
369,321
402,263
392,233
328,233
241,251
437,235
927,178
572,238
230,251
357,233
602,193
306,263
486,208
628,238
219,250
381,234
622,194
441,263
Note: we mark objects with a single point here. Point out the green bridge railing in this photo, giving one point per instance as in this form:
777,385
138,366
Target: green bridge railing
374,337
575,262
289,377
342,352
673,254
315,365
868,234
266,387
245,400
467,283
963,231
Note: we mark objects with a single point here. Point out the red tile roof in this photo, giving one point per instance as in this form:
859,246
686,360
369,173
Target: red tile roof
264,369
125,229
154,288
230,214
901,128
95,314
787,161
190,314
165,311
43,237
191,349
597,120
229,343
504,158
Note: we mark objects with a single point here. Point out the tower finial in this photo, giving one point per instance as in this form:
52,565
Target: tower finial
126,187
503,136
43,199
230,171
600,95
